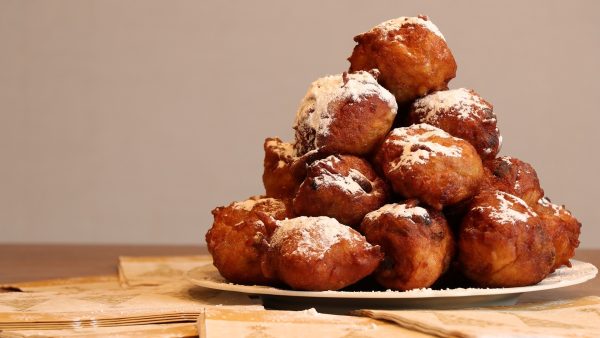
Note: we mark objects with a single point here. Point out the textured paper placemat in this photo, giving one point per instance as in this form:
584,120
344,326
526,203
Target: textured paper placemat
156,270
566,318
75,284
158,331
170,302
155,292
233,323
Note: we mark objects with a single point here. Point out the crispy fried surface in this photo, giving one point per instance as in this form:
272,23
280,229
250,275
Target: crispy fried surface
417,243
426,163
319,253
465,115
503,243
344,187
413,61
283,170
515,177
349,117
237,238
358,127
563,229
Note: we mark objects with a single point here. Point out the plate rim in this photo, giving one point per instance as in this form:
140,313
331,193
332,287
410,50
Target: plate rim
391,294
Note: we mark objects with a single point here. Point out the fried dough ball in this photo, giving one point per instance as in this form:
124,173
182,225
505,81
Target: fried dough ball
345,114
283,170
563,229
502,242
411,54
237,238
426,163
515,177
319,253
461,113
417,243
344,187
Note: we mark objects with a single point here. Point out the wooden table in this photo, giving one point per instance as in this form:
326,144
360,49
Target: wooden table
20,263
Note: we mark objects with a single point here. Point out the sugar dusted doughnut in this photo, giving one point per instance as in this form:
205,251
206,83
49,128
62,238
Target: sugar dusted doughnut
345,114
283,171
502,242
344,187
238,236
417,243
562,227
515,177
461,113
411,54
319,253
426,163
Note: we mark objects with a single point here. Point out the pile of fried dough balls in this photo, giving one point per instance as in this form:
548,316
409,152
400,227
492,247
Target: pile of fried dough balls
394,177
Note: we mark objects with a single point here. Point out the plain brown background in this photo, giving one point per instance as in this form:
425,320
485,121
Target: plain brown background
128,121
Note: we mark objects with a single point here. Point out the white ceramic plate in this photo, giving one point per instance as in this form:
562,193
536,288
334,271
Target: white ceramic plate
207,276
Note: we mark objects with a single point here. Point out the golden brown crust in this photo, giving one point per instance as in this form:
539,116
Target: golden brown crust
515,177
319,253
238,237
359,128
417,243
502,242
344,187
461,113
283,170
413,60
426,163
344,114
563,229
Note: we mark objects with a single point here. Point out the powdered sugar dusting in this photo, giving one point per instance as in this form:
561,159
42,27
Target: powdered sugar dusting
505,212
396,24
356,176
313,118
461,102
418,147
311,312
248,204
314,236
398,210
545,202
328,161
345,183
522,170
506,159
